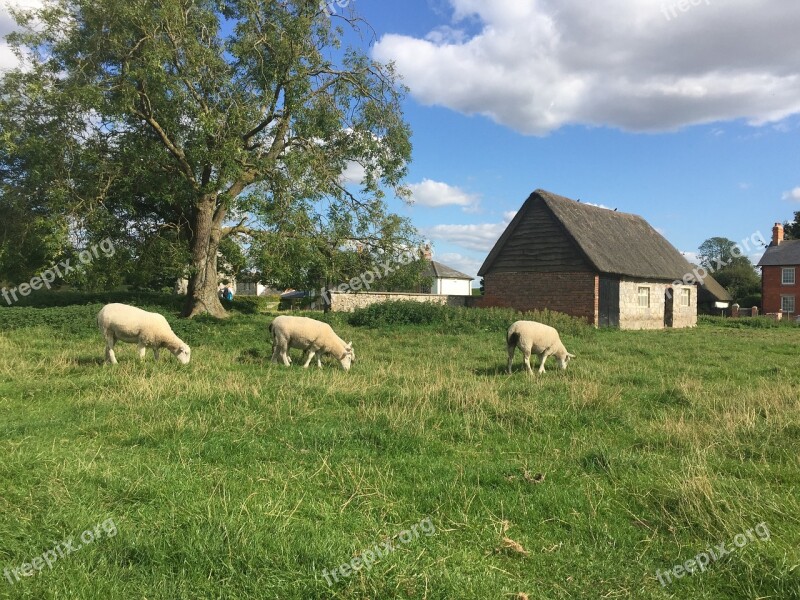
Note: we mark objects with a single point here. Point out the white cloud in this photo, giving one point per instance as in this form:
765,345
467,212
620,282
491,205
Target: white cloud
459,262
692,257
536,65
435,193
792,195
8,59
598,205
353,173
479,237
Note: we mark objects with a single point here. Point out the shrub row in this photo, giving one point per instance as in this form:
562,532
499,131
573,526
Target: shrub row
46,299
743,322
455,318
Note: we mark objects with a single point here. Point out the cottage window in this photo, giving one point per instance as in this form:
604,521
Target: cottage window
787,304
787,276
686,297
644,297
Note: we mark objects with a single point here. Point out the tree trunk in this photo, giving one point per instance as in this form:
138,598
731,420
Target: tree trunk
202,296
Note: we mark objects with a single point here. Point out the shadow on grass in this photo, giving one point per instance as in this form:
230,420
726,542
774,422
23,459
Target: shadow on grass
86,361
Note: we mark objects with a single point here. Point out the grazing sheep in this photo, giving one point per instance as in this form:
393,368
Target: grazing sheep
312,336
120,322
530,336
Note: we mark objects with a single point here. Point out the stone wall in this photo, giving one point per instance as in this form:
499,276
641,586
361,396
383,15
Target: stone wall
348,302
684,316
633,316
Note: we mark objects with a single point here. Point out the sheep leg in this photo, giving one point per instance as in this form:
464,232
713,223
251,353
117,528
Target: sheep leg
110,356
309,355
511,350
142,351
526,358
155,353
542,357
285,358
275,353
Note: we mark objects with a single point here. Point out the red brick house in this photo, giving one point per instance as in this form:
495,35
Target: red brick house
779,271
610,267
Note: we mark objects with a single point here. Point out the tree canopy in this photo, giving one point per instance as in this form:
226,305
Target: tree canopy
724,260
174,124
791,229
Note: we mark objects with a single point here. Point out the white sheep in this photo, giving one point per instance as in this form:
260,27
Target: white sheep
537,338
312,336
120,322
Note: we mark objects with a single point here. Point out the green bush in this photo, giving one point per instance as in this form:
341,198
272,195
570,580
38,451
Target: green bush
453,318
45,299
73,320
743,322
751,300
251,305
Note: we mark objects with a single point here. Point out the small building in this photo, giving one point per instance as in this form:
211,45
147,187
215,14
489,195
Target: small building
446,280
712,298
609,267
779,266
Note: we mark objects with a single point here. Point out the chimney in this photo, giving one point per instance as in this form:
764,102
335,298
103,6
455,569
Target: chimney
426,252
777,234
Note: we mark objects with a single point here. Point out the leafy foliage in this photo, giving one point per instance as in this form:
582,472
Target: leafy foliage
791,229
205,119
724,260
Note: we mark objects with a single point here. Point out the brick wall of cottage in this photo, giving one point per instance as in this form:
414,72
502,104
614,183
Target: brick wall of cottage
575,294
772,289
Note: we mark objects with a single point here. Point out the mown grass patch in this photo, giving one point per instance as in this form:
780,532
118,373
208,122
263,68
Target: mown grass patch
235,478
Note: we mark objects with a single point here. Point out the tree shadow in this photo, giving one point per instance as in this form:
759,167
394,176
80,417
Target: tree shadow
85,361
495,371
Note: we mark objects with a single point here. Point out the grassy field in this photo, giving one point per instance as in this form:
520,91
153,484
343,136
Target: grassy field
234,478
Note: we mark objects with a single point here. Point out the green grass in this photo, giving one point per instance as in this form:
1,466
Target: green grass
234,478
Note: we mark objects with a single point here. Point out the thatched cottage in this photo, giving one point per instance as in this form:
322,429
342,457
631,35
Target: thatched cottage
610,267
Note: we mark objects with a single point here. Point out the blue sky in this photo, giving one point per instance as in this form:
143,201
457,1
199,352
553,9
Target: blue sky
685,117
686,112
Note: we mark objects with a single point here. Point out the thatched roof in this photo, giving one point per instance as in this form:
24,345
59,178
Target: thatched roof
711,290
786,253
612,242
438,270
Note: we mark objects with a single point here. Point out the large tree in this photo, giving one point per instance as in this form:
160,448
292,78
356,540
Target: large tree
204,118
791,229
724,260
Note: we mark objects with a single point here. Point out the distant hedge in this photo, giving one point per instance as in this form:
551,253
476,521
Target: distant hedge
454,318
45,299
745,322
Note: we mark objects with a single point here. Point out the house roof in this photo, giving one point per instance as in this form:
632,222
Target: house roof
786,253
612,242
713,288
440,271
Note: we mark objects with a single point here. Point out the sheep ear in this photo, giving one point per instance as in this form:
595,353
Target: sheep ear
570,355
